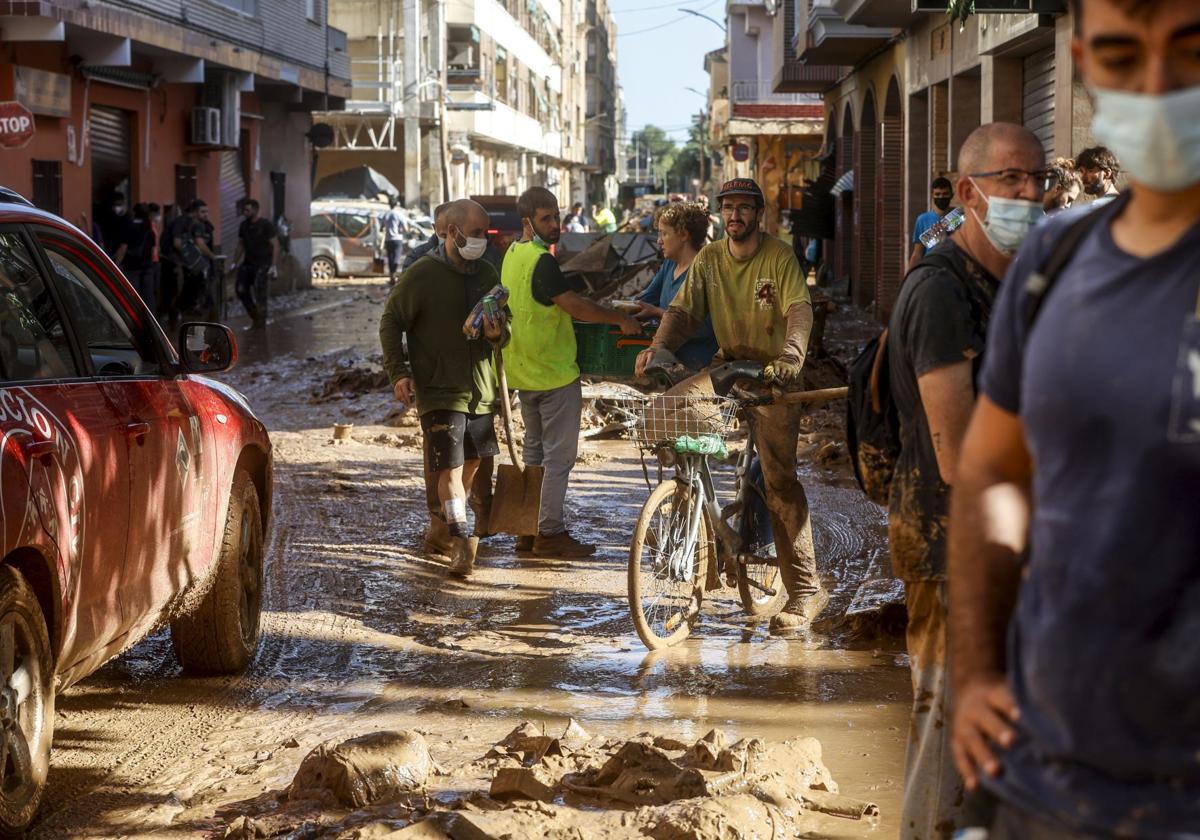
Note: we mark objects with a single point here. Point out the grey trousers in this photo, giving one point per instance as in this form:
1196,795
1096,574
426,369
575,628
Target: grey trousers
552,440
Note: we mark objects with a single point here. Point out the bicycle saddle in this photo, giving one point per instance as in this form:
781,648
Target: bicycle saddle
729,374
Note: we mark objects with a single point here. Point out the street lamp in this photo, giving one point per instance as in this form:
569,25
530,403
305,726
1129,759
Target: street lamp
718,23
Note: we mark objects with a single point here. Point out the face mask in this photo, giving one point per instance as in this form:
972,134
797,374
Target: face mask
471,248
1008,221
1156,138
119,209
541,243
942,204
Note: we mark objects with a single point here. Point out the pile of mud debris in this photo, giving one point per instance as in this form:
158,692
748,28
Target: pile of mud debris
572,785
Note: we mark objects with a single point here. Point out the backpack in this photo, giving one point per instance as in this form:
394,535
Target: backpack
872,421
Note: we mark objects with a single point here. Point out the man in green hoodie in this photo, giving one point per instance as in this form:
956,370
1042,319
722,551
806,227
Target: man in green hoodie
447,376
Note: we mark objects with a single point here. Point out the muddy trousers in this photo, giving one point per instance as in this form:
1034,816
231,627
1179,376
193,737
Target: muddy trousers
552,440
776,429
933,790
252,285
480,491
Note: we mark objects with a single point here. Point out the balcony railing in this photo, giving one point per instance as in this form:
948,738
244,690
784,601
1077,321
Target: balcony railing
759,91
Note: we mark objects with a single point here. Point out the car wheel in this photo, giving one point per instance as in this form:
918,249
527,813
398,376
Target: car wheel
220,634
323,268
26,703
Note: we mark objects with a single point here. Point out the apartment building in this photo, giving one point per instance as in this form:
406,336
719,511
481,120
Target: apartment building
493,97
165,101
902,88
757,131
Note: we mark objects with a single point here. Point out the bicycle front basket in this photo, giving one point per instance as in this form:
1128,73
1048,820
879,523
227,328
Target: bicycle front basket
691,424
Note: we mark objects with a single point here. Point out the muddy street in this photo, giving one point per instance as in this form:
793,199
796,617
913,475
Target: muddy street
362,633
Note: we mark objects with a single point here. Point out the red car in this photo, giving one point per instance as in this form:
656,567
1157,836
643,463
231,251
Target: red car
134,491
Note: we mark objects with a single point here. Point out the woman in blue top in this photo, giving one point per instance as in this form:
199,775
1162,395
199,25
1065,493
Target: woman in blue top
682,231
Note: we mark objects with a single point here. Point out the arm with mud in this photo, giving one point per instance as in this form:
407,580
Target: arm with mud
989,520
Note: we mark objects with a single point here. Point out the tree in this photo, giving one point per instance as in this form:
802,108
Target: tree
686,165
651,144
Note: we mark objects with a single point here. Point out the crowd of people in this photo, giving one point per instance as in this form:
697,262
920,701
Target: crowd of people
173,264
1043,361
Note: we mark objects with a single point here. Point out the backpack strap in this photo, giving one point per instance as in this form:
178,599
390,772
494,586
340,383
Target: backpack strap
1039,283
877,372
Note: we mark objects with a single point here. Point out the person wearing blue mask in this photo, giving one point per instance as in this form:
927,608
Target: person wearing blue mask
1075,537
935,342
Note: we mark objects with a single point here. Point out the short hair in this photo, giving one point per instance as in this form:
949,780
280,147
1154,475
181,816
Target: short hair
196,204
976,150
393,200
250,202
535,199
441,209
941,183
458,212
686,218
1098,157
117,195
1133,8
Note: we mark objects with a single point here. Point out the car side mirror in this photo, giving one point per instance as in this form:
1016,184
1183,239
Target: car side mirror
206,348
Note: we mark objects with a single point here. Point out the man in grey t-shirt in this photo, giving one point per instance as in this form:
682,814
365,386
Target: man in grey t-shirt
1075,534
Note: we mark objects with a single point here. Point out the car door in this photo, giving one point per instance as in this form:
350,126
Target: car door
358,248
137,372
64,461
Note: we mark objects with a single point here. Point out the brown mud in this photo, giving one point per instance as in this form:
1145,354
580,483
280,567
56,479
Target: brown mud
364,634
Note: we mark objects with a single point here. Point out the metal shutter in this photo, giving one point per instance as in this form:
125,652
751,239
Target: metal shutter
232,190
1038,97
110,137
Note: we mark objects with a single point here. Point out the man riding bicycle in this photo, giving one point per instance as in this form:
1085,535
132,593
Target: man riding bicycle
750,285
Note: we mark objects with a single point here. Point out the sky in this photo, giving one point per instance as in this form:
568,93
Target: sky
660,53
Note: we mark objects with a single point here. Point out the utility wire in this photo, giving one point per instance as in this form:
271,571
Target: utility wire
679,19
639,10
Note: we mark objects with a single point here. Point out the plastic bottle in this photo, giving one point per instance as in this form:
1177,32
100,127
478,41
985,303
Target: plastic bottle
943,227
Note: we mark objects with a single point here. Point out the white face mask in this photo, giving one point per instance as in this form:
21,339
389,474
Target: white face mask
1156,138
472,247
1008,221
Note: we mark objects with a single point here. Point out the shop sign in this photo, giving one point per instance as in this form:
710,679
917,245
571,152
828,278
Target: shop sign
43,92
16,125
741,152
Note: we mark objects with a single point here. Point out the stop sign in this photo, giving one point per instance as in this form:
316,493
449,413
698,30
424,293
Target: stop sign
16,125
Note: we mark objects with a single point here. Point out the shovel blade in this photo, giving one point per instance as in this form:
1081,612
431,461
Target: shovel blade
516,500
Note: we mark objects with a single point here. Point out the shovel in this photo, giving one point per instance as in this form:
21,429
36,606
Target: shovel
518,496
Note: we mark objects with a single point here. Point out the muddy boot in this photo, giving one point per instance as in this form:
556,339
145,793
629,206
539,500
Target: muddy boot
524,545
437,538
482,509
800,611
462,558
561,545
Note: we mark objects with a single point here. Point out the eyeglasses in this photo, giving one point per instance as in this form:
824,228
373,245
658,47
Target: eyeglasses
738,209
1014,179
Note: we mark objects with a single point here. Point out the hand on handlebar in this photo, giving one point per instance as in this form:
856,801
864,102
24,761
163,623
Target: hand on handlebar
784,372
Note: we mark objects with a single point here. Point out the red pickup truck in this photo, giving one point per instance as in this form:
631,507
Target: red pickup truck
134,490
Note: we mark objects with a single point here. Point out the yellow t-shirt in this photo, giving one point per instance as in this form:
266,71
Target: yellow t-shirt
747,299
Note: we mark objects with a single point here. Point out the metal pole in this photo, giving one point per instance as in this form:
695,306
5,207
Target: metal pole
412,103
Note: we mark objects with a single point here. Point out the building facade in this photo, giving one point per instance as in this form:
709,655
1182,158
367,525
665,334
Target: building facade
758,131
495,96
166,101
902,90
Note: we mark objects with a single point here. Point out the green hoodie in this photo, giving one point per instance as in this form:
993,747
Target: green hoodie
429,306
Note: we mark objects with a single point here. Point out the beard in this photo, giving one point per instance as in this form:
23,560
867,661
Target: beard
549,236
748,229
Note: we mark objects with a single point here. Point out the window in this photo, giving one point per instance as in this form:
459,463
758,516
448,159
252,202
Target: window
502,75
33,344
321,225
246,7
310,9
47,185
353,225
101,317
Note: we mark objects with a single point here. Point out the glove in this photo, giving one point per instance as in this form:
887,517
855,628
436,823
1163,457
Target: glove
784,372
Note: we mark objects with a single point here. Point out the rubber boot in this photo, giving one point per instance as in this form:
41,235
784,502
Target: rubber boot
800,611
462,559
437,538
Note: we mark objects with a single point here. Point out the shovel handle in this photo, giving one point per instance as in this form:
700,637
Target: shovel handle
506,411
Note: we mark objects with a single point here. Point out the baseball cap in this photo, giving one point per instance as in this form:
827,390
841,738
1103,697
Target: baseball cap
742,186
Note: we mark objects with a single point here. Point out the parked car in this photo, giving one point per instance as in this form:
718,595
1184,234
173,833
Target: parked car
504,222
134,490
348,238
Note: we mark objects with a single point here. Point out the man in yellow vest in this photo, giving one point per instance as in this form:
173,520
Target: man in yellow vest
540,362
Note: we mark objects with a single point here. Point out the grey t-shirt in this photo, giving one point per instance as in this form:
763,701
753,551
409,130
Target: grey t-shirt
1104,648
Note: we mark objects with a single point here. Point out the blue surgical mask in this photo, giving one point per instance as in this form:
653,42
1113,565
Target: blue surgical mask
541,243
1156,137
1008,221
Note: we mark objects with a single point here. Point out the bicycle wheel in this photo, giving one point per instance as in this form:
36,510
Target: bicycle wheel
665,589
755,601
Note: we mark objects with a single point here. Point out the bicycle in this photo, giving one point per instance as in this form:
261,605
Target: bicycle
682,529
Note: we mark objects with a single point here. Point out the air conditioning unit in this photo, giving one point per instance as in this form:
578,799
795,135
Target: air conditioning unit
463,59
206,126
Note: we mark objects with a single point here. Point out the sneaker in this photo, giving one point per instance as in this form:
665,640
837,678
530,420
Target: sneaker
561,545
800,611
462,560
438,541
524,545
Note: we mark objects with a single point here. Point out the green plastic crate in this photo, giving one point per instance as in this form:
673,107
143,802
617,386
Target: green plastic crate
604,351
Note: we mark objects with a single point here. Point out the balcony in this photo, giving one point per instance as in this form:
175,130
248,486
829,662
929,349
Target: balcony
886,13
826,38
759,92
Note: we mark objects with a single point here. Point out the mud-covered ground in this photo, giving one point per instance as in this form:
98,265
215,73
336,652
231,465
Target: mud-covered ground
362,633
